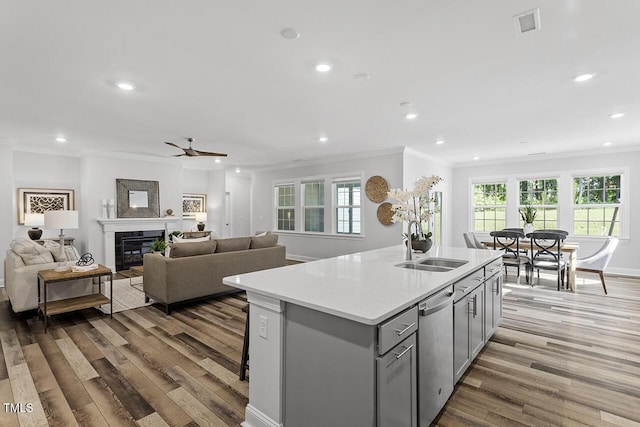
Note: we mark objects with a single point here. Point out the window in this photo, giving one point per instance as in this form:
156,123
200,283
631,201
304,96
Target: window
348,206
542,194
313,206
285,206
596,208
489,206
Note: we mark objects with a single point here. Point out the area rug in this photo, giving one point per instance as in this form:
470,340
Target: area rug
126,295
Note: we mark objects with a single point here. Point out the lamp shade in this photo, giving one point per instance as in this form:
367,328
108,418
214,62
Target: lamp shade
61,219
201,216
34,219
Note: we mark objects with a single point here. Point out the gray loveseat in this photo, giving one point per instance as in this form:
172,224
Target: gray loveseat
195,270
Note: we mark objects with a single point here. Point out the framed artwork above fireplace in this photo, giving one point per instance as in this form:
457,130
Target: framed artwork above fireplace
137,198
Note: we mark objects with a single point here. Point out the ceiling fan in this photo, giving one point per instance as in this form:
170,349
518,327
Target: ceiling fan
190,152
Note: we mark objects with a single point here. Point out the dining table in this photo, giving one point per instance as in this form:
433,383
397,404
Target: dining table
570,248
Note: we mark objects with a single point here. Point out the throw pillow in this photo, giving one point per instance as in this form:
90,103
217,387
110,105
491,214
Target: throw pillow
27,247
177,239
264,233
70,252
44,258
180,250
266,241
233,244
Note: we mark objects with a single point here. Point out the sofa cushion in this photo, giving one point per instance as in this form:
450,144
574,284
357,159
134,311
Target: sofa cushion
70,252
180,250
233,244
44,258
266,241
27,247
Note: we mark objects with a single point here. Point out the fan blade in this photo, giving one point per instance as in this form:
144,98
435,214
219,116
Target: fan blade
179,155
207,153
171,143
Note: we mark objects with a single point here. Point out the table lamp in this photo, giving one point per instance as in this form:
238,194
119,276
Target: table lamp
201,217
34,220
61,220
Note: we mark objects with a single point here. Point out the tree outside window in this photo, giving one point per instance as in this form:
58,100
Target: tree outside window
348,206
542,194
596,210
489,206
313,206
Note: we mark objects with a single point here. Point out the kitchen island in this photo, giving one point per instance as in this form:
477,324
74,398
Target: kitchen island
316,332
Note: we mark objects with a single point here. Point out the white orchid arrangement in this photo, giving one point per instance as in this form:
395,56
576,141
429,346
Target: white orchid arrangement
413,206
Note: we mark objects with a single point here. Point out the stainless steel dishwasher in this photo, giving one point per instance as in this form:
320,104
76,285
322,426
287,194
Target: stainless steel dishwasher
435,354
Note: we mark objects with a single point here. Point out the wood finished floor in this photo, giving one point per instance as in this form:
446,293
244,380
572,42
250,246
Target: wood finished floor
557,359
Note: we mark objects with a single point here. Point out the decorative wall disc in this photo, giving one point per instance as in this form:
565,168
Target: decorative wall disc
376,189
385,213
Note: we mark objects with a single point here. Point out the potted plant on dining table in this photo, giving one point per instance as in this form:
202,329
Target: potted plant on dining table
528,215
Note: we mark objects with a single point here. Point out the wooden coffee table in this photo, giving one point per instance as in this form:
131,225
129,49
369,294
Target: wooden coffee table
66,305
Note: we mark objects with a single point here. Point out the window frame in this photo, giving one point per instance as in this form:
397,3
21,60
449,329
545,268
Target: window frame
620,206
303,199
540,223
489,181
277,206
330,216
351,207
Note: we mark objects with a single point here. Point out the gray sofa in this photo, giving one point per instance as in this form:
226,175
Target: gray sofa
195,270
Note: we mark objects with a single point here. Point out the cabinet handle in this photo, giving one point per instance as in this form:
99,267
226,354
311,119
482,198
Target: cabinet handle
475,305
498,287
399,355
408,326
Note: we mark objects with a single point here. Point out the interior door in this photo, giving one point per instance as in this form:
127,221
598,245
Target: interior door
226,228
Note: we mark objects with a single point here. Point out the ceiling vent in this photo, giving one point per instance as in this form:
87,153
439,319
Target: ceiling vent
527,22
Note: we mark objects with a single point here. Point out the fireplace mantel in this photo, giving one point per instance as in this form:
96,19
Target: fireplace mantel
112,225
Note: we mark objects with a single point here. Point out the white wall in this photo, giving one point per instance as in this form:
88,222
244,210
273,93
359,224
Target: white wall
239,189
417,165
215,202
304,246
98,177
8,210
625,258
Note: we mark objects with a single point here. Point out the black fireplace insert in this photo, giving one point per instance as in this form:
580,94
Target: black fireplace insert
132,245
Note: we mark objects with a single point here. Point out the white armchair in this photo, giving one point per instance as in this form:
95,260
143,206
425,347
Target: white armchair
597,262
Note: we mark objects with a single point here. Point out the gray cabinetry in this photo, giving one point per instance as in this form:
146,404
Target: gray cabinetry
476,321
493,304
468,329
397,385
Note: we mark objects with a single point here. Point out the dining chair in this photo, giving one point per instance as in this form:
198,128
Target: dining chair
472,241
545,255
509,242
548,230
597,262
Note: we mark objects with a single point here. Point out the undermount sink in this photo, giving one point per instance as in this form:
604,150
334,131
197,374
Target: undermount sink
433,264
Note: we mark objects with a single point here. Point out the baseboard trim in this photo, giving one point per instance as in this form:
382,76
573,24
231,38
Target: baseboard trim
628,272
256,418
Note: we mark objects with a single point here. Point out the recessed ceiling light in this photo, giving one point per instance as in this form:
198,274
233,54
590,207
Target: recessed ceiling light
237,170
616,115
217,160
440,141
323,68
125,85
362,76
583,77
476,158
607,143
290,34
411,116
61,139
323,139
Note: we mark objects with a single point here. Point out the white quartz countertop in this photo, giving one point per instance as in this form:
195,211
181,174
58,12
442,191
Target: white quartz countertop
365,287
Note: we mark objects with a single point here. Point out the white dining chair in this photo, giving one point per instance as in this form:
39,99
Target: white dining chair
597,262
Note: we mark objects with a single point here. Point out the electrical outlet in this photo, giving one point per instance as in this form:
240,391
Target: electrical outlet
263,327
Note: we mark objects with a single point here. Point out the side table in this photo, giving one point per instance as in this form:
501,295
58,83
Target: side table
49,308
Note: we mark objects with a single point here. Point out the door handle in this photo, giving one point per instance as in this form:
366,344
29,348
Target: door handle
408,326
399,355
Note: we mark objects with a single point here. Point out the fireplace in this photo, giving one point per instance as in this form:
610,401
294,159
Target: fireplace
130,247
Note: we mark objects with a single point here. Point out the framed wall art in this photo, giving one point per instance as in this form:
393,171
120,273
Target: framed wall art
193,203
137,198
39,200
